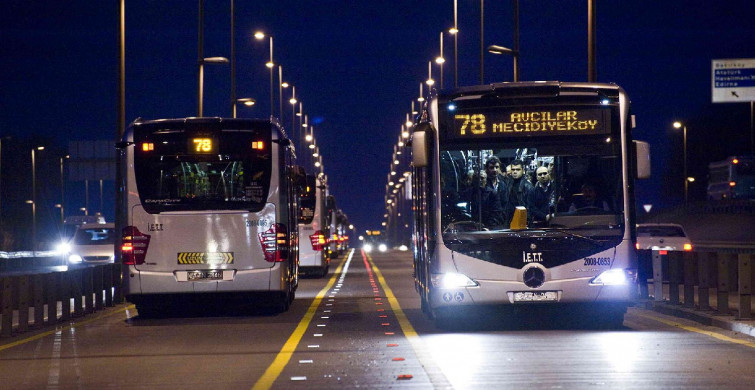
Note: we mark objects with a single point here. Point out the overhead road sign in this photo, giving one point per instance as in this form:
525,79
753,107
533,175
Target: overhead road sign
733,80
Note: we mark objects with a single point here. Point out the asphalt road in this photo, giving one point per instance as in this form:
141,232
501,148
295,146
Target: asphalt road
361,327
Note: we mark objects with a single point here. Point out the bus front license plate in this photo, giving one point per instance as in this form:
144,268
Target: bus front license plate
194,276
535,296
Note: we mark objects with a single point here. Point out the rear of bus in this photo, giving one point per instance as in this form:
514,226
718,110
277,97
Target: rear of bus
313,245
206,211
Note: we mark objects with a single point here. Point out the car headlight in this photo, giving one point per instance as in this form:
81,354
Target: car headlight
382,247
614,277
452,280
74,259
367,248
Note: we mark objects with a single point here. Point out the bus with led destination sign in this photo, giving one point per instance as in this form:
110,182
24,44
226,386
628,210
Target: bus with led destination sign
209,207
507,122
523,195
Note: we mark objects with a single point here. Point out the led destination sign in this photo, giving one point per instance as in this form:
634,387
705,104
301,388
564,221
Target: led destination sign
201,145
514,123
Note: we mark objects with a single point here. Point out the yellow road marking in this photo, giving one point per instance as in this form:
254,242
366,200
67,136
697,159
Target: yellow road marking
64,328
435,375
698,330
279,363
406,326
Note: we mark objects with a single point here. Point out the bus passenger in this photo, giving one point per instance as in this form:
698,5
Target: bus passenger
589,200
518,188
542,197
485,202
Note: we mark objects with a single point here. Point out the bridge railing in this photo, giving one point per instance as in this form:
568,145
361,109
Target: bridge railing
716,278
34,300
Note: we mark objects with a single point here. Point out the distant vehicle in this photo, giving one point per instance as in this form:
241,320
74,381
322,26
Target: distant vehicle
209,208
662,236
92,243
374,240
313,227
733,178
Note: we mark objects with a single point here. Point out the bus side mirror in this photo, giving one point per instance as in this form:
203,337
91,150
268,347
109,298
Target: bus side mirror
419,145
642,156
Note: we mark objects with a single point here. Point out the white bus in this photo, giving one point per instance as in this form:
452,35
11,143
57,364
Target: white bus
209,210
733,178
582,258
313,227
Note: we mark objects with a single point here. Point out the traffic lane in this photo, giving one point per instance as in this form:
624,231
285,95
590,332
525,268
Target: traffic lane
354,339
538,352
224,348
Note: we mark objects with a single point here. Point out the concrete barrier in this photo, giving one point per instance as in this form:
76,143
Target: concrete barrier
713,281
48,296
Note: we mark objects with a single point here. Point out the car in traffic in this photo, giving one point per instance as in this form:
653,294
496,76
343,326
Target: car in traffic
663,237
92,243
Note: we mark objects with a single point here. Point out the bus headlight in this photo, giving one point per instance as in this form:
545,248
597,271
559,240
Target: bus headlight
452,280
614,277
63,248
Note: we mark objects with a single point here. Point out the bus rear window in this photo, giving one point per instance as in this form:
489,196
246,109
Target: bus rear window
224,170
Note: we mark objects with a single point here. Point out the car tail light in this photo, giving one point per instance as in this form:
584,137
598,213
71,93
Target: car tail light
274,243
687,247
135,244
318,241
637,245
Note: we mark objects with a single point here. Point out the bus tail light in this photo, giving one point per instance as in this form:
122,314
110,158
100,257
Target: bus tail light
318,241
274,243
135,244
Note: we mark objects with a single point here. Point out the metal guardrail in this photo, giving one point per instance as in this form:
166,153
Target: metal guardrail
37,298
696,279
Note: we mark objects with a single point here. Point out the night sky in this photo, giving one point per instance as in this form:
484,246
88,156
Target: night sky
357,65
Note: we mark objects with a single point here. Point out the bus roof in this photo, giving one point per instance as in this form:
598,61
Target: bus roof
534,89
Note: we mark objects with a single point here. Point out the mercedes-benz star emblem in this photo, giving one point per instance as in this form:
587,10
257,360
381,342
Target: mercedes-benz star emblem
534,277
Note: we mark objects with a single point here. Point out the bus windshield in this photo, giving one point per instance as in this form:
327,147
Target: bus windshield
571,188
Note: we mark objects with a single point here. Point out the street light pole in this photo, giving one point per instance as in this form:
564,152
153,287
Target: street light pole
34,199
684,145
482,34
455,32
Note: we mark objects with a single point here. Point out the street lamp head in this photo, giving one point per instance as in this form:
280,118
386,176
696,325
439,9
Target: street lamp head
40,148
430,82
495,49
285,84
453,30
292,100
308,137
678,125
215,60
270,64
439,60
247,101
259,35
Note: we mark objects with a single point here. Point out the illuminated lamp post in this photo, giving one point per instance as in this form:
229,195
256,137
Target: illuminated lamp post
259,35
678,125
